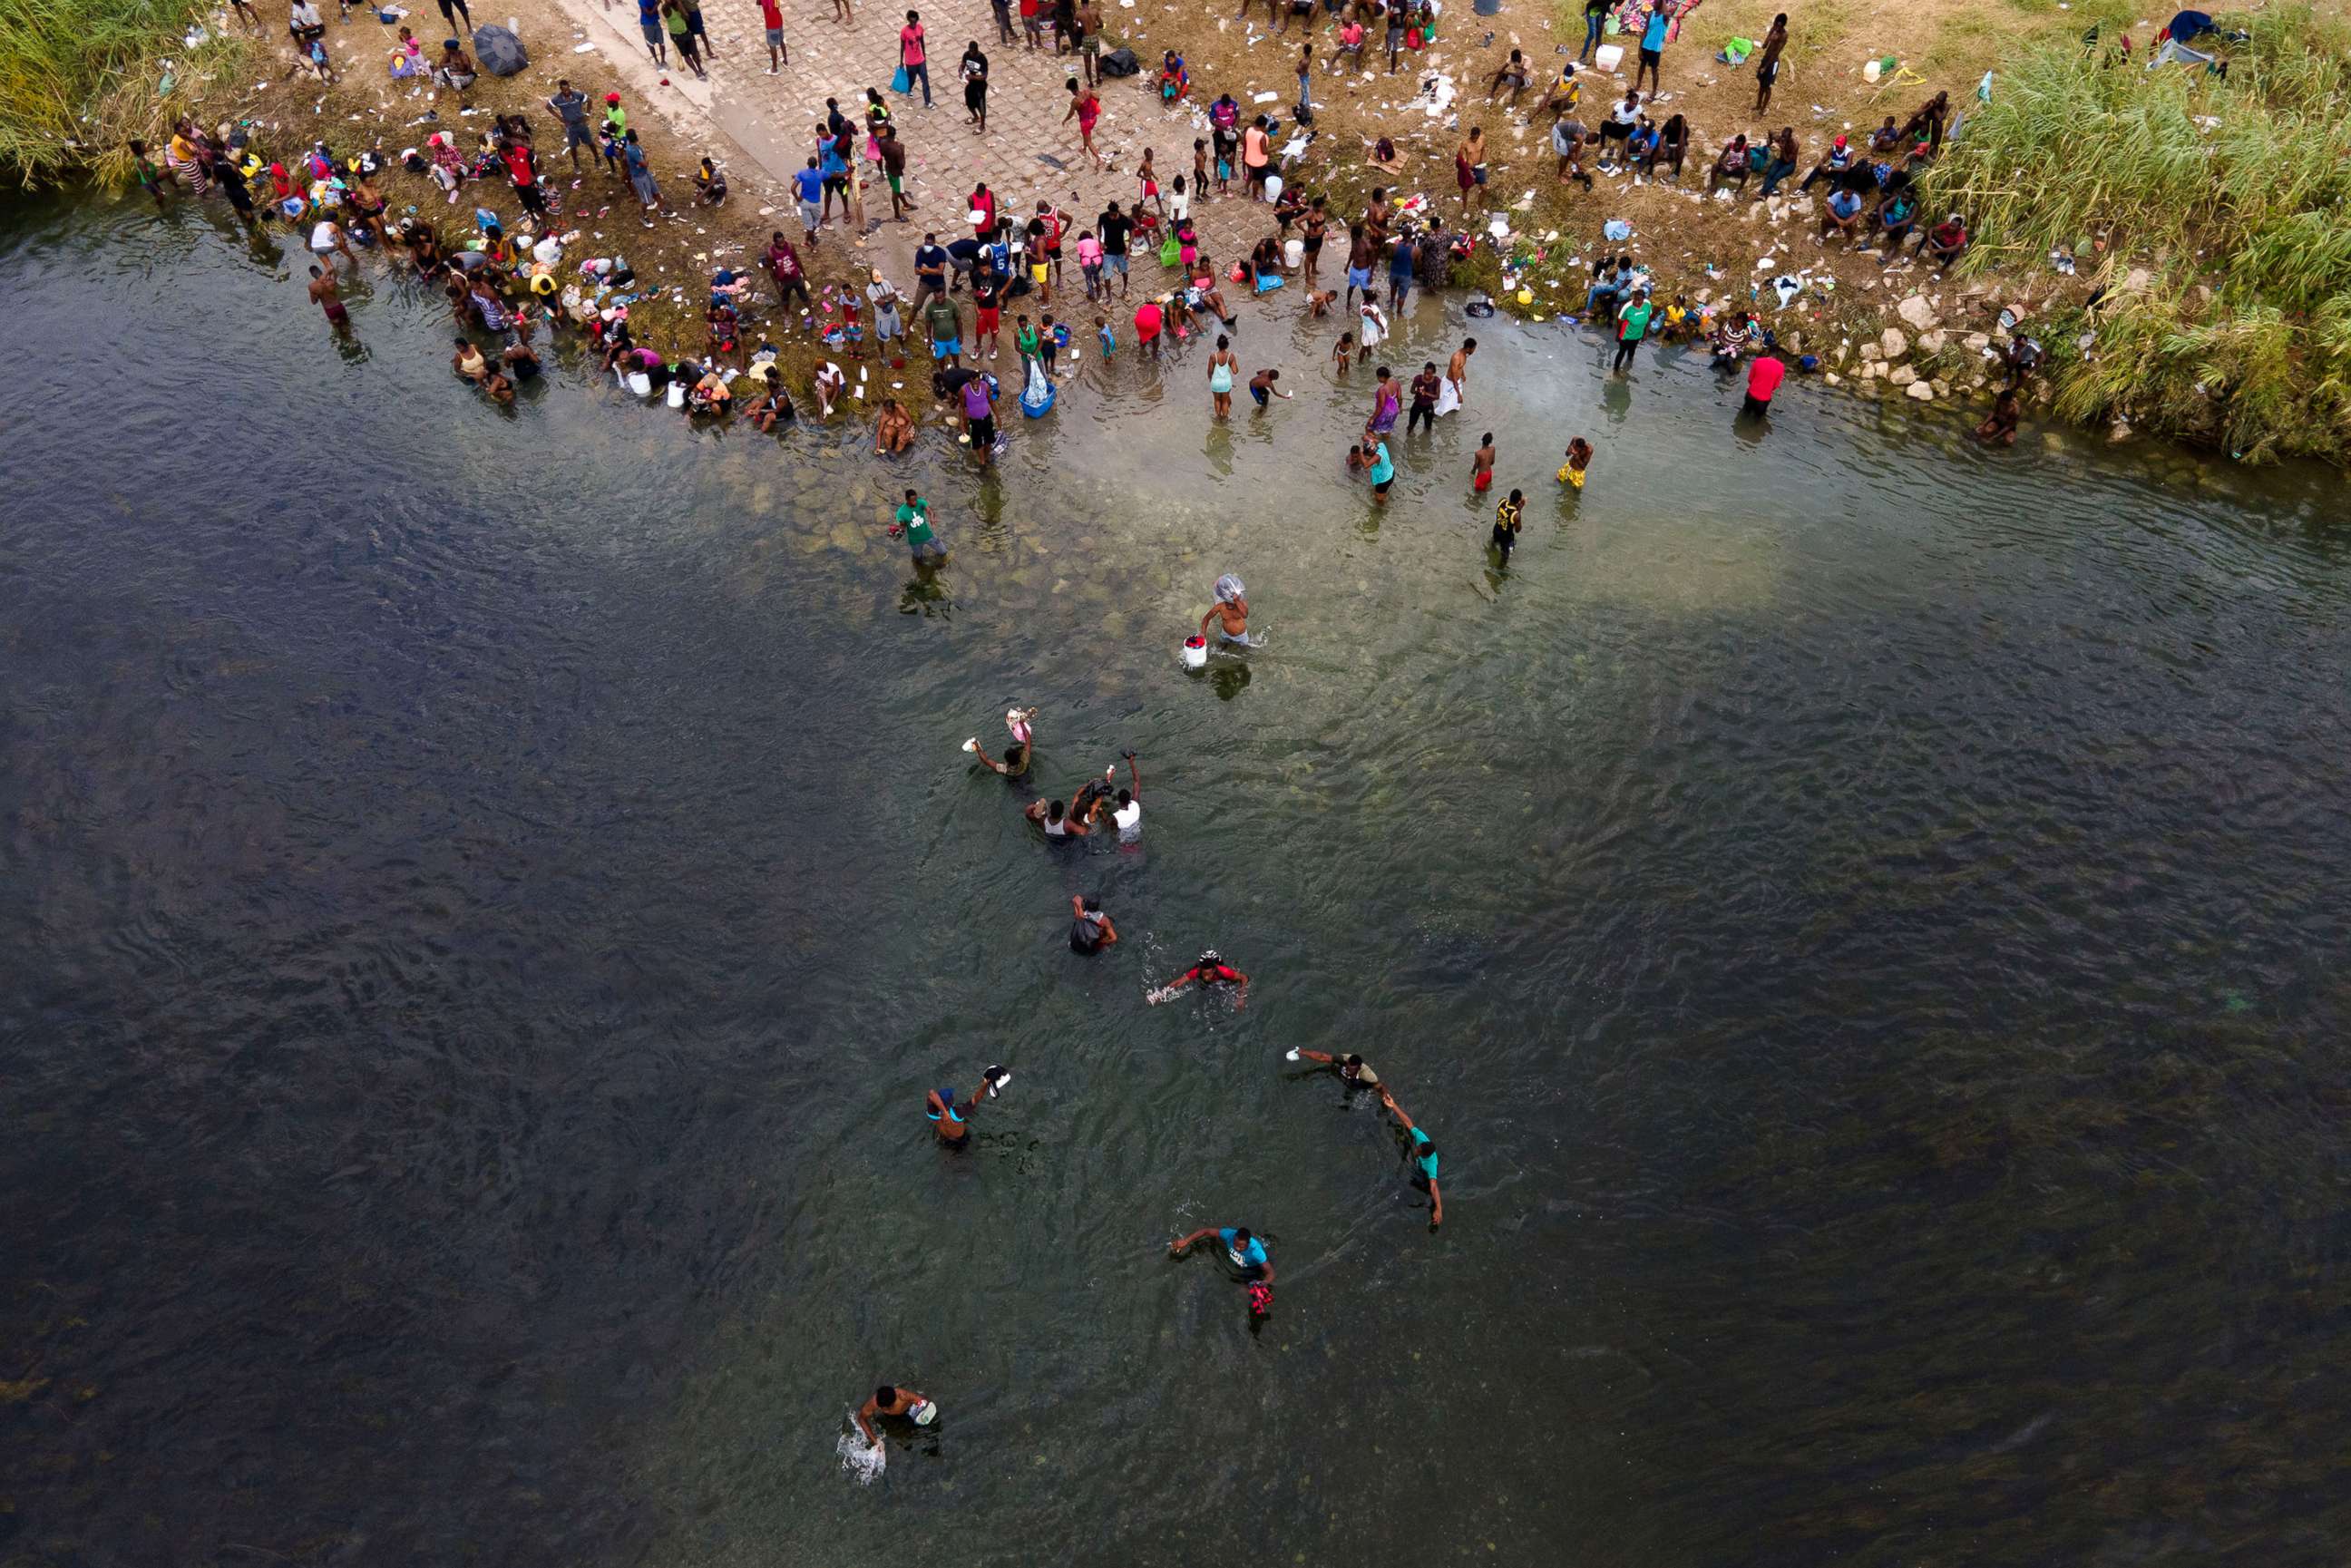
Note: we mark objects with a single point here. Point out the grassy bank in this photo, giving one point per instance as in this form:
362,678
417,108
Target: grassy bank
79,77
2209,207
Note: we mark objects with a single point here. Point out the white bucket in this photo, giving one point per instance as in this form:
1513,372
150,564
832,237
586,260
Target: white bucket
1196,653
1273,187
677,394
1610,57
1293,254
641,384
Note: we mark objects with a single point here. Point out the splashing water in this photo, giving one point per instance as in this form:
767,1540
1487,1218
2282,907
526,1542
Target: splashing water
860,1459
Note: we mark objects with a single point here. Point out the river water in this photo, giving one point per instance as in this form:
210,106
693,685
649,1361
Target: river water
486,892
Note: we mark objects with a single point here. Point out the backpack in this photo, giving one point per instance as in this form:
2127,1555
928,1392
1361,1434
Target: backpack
1120,62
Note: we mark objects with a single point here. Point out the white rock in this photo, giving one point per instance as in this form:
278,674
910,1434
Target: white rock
1919,392
1902,376
1917,311
1893,342
1931,342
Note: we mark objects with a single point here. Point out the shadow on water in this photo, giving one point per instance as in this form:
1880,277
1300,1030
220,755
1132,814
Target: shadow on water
488,891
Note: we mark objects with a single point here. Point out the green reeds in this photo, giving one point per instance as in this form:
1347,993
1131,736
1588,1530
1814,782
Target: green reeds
78,77
2230,189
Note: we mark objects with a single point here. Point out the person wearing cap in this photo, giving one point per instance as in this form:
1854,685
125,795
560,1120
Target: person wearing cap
1421,1149
950,1120
889,1399
1209,970
455,70
1839,160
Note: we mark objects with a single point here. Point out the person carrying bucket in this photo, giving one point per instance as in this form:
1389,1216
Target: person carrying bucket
1232,609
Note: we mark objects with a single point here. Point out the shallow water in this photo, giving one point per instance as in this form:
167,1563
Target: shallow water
487,892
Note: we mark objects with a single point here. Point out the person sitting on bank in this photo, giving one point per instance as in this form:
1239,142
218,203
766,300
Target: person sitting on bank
1944,243
455,70
1729,165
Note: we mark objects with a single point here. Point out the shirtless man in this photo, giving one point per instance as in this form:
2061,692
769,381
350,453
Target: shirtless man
1230,607
1351,1069
324,294
947,1118
1210,970
889,1399
1457,371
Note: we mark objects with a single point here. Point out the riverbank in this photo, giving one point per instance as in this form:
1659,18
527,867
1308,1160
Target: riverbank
2249,374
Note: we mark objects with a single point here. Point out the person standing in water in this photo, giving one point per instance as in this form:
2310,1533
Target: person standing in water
1016,755
1232,609
1481,467
1221,366
948,1119
1091,930
325,295
1352,1070
1245,1252
1507,517
1423,1149
889,1399
1127,807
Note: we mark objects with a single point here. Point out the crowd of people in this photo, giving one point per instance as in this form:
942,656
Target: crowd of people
506,285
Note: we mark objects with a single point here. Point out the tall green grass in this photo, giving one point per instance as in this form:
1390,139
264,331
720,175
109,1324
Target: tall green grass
2232,192
76,76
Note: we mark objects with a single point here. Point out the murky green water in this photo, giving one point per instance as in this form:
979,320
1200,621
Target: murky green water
487,892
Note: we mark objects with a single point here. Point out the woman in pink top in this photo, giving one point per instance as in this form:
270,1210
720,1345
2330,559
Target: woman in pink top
1090,261
911,58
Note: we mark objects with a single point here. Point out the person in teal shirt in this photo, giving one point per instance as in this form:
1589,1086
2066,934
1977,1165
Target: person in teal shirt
1421,1151
1653,46
1246,1253
915,516
1632,325
1375,456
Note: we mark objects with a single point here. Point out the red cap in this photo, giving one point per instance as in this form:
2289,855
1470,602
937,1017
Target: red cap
611,98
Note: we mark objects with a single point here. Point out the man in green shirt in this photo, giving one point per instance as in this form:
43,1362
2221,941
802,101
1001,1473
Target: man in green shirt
915,516
944,321
1632,325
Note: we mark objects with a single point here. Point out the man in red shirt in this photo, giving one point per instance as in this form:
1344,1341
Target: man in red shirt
778,55
524,172
1763,377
